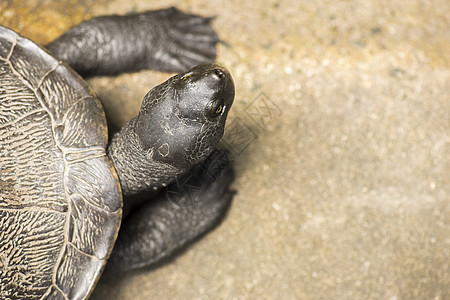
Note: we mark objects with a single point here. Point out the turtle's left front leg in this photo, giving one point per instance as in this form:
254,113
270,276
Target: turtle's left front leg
164,40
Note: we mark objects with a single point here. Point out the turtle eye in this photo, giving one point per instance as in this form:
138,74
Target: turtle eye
215,110
186,76
219,109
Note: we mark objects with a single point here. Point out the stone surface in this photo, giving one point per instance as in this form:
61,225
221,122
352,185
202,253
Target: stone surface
340,137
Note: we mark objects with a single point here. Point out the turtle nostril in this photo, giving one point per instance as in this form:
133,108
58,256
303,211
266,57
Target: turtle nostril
219,73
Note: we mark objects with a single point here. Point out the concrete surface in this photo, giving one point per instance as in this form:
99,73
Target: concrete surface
340,133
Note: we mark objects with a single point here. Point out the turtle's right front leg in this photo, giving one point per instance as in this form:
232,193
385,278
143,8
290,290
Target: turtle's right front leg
187,209
165,40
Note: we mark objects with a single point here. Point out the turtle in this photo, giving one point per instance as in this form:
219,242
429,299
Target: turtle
67,185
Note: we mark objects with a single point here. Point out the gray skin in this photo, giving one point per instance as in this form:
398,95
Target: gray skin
53,133
179,124
165,40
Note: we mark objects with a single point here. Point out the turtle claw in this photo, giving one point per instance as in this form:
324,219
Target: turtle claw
187,40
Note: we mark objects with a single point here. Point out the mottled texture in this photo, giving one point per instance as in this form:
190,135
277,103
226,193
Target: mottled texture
135,166
60,203
165,40
30,243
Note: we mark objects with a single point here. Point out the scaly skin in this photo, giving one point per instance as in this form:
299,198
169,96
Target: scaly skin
165,40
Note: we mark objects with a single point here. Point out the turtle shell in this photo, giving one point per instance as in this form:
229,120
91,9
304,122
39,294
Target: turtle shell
60,199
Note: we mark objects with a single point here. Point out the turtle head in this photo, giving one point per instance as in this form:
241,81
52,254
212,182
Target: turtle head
182,120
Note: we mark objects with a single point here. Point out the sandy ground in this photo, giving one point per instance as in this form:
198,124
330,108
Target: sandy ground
340,139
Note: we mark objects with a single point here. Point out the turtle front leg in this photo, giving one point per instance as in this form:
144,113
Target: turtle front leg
165,40
183,212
